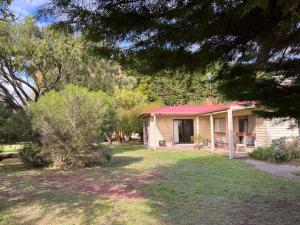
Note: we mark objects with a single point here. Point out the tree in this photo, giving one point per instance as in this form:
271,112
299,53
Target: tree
36,60
128,105
77,118
14,125
5,12
179,87
255,42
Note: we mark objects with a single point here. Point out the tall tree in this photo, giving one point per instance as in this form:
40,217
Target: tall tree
128,105
179,87
257,43
34,61
5,12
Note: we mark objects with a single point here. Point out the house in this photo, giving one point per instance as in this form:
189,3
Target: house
226,126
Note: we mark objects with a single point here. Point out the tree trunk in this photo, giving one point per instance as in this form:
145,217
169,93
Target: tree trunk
142,137
298,123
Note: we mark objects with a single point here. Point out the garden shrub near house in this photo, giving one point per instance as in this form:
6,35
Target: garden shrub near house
280,150
69,124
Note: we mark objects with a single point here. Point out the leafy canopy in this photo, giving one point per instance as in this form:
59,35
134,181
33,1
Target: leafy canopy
70,121
36,60
14,125
179,87
255,42
129,104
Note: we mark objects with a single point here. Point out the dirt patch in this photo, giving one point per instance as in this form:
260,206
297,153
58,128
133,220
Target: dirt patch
128,186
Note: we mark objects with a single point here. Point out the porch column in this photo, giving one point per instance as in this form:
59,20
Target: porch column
197,124
212,137
154,119
230,133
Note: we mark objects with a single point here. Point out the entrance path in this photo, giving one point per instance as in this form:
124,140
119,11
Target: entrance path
284,170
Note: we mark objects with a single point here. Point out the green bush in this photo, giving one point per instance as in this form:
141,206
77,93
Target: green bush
262,153
1,148
279,143
70,121
279,151
32,155
14,125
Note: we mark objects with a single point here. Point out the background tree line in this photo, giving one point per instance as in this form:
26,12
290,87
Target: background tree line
256,43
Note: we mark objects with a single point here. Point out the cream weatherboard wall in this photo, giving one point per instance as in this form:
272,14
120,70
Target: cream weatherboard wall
267,130
163,129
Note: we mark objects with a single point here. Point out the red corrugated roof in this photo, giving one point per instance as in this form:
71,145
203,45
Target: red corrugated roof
191,109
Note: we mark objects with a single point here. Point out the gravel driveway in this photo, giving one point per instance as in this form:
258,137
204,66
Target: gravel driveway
284,170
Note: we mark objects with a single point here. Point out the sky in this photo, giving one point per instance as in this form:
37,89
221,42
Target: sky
22,8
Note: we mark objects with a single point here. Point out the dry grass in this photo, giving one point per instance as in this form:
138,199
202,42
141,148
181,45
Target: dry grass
145,187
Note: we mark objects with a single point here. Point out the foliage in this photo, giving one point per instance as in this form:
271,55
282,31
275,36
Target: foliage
32,155
179,87
255,42
126,99
129,104
97,155
70,121
14,125
1,148
36,60
199,140
5,12
280,150
279,143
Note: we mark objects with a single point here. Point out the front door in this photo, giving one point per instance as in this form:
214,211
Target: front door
183,131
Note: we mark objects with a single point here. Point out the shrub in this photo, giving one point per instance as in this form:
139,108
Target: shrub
279,151
14,125
1,148
279,143
97,155
32,155
70,121
262,153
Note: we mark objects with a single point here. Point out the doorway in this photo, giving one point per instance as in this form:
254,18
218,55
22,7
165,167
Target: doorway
183,130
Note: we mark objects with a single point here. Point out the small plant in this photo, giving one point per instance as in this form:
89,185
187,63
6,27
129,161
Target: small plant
32,155
198,141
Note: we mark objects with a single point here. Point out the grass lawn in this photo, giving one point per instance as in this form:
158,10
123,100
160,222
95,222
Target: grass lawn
146,187
10,148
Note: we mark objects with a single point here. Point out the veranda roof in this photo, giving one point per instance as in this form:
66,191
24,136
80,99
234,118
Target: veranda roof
191,109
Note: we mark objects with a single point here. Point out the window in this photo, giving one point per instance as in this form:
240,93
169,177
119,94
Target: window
220,125
183,130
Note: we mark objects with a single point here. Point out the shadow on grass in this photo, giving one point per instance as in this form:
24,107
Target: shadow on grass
83,196
214,190
55,208
183,188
